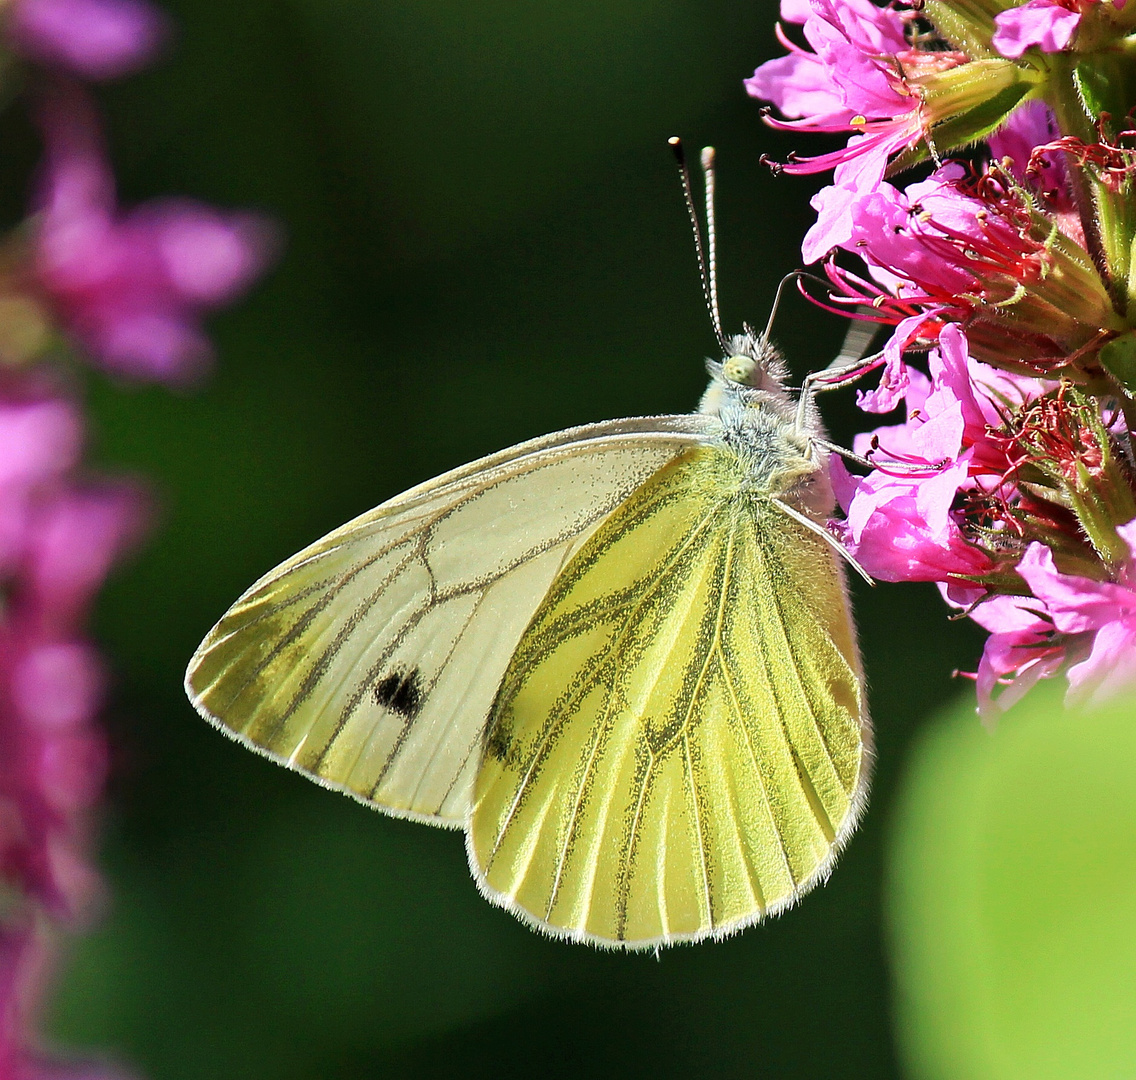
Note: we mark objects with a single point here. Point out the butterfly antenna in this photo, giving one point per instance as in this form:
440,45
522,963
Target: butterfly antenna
776,304
706,264
711,240
795,275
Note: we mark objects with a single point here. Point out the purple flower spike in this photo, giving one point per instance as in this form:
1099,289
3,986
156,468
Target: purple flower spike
92,39
133,287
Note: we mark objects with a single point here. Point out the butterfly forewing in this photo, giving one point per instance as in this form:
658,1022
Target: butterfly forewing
678,745
371,659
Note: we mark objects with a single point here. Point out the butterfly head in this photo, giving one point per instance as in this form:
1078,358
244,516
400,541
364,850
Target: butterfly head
752,361
751,374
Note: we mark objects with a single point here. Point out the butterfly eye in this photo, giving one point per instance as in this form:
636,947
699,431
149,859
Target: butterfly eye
739,369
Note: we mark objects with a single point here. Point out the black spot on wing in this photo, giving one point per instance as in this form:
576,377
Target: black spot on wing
401,692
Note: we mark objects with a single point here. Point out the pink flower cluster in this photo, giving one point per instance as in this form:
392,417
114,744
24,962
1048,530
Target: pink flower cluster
1010,482
904,521
90,39
1088,624
59,536
126,290
911,519
132,287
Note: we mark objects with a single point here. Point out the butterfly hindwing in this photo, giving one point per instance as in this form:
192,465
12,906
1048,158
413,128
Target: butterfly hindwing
678,747
370,660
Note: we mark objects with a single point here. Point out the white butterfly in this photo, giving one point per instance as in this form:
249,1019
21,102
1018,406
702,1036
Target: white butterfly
620,657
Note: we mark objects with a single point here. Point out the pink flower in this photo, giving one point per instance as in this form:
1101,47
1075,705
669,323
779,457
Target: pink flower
1020,145
1045,23
1104,611
60,537
905,531
816,85
1067,618
40,439
133,287
75,538
932,243
901,520
966,247
850,82
93,39
895,380
1021,650
1030,125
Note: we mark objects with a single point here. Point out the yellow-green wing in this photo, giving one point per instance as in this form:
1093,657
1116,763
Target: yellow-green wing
370,660
679,746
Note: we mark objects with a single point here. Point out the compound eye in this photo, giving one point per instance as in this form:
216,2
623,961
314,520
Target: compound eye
739,369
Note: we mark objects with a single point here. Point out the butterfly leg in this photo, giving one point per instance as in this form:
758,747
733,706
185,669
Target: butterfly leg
831,378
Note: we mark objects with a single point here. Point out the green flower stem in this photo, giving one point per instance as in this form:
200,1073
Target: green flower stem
965,24
1064,97
1099,518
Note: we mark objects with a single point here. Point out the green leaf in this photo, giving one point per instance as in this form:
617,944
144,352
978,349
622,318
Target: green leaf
1104,86
1012,895
1118,358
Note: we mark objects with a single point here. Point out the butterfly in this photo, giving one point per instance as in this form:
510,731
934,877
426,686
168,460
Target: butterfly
619,657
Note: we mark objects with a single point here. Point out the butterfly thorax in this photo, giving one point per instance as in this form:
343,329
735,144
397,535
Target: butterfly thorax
779,454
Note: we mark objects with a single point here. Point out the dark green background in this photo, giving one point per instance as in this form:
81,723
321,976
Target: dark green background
485,242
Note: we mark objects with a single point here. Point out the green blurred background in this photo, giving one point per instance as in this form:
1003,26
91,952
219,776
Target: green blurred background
485,242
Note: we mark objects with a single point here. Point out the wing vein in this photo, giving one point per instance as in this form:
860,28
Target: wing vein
804,780
716,649
587,682
623,890
757,770
701,838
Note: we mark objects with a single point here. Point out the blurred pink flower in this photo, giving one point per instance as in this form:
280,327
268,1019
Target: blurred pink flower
27,955
132,287
59,536
40,438
91,39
